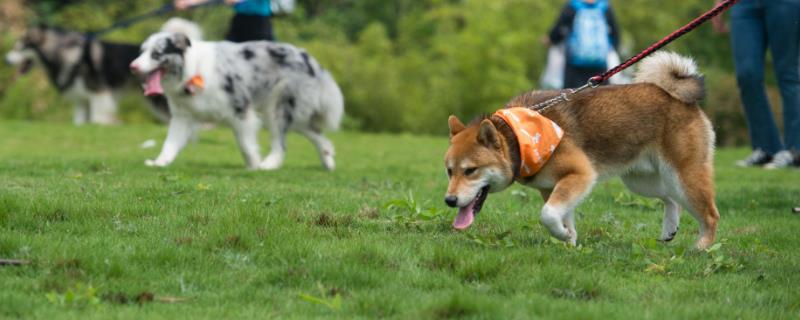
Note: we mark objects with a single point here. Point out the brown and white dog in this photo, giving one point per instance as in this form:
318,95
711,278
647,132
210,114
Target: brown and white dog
651,133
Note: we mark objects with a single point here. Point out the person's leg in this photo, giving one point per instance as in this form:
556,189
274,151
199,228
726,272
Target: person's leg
749,45
269,34
250,28
576,77
237,27
783,32
571,76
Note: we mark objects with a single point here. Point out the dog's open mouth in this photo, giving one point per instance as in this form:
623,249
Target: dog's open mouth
152,85
466,214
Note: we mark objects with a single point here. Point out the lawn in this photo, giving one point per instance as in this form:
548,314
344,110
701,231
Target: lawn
107,237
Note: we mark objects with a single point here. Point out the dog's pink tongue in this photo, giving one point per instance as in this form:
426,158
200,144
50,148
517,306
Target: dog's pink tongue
152,86
465,216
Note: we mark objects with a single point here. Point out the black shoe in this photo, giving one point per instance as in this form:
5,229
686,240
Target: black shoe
756,159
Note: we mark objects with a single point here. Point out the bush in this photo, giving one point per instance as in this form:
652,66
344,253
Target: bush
405,65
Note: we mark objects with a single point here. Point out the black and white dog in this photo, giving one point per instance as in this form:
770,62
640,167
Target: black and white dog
243,85
89,73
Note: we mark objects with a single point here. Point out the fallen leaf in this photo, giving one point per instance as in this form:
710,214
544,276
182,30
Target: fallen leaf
168,299
12,262
145,297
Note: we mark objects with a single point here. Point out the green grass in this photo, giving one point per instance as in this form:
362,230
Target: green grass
101,229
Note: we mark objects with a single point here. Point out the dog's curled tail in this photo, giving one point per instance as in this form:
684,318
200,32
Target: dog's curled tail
674,73
332,102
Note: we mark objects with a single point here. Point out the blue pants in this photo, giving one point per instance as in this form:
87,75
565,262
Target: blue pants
757,25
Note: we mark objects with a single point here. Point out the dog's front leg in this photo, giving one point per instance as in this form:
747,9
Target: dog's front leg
102,108
277,148
181,128
246,131
81,114
557,214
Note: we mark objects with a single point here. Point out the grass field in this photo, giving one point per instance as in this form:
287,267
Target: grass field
107,237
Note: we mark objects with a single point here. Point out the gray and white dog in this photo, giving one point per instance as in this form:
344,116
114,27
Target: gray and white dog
243,85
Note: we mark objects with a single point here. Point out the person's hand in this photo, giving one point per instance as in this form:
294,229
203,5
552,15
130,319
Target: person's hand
183,4
545,40
718,23
232,2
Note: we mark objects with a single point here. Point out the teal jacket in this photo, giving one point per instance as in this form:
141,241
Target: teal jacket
254,7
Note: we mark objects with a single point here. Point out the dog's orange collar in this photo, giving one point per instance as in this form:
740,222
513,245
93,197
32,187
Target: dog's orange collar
537,135
194,85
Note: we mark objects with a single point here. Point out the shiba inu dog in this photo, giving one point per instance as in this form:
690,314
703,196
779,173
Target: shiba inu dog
652,134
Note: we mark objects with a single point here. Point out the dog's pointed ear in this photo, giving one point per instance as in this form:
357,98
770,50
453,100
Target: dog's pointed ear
181,41
35,34
488,135
456,125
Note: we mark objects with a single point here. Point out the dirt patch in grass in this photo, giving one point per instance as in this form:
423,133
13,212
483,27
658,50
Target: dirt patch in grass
368,212
459,306
115,298
581,294
234,242
199,219
327,220
56,215
184,241
261,233
139,298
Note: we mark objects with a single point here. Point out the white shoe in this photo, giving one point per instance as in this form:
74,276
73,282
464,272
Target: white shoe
756,159
783,159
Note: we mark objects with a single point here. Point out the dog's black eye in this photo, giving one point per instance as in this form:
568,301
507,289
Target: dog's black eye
469,171
449,172
155,55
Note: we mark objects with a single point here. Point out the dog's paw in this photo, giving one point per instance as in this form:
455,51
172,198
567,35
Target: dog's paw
154,163
551,220
572,237
271,163
328,163
668,237
266,165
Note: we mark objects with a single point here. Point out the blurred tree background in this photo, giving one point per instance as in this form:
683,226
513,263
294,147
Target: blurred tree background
404,65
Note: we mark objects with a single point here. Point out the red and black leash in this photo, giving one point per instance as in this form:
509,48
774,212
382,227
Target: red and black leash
598,79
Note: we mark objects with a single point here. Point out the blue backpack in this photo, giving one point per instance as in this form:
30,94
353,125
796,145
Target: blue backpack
589,43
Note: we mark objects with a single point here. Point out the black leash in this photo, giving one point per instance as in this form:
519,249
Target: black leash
89,38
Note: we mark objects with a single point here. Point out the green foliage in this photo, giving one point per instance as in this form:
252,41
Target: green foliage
328,298
78,296
408,213
630,200
719,261
405,65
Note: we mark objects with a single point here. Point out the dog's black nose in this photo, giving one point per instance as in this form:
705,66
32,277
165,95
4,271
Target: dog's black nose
451,201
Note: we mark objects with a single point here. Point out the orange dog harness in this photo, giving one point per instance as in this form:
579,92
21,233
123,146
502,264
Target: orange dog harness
538,137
